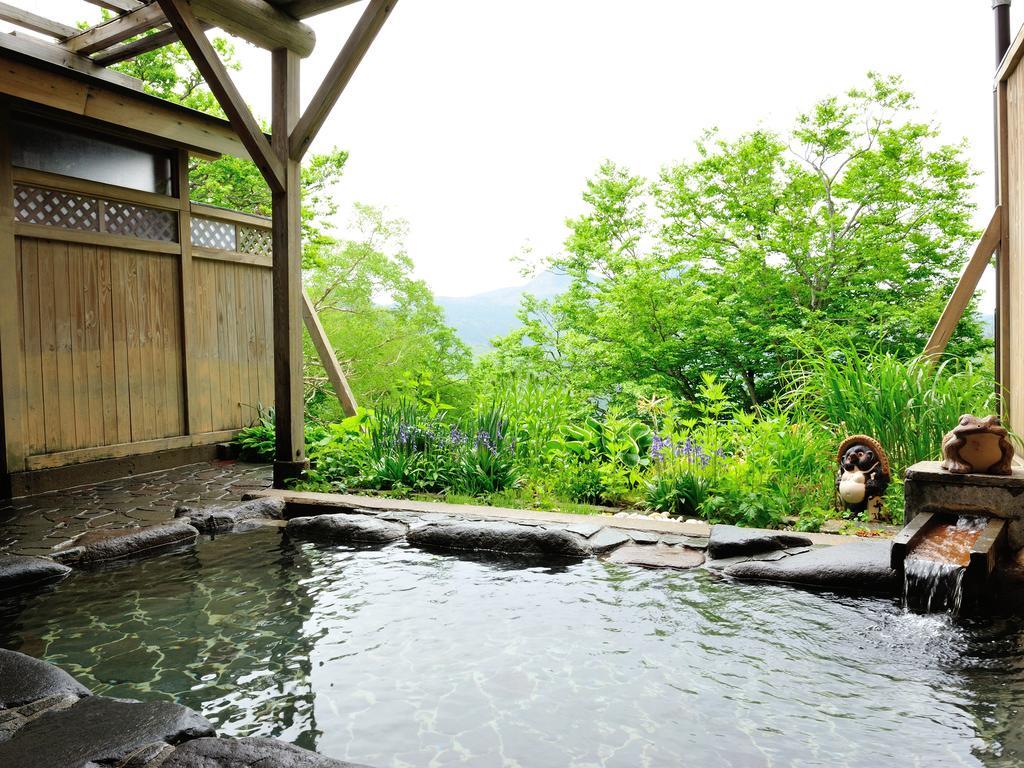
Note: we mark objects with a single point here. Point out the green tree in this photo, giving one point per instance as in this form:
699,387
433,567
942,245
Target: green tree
384,324
850,229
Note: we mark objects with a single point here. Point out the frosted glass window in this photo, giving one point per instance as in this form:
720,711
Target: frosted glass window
43,146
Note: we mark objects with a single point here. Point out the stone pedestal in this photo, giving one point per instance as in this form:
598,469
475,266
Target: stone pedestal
930,488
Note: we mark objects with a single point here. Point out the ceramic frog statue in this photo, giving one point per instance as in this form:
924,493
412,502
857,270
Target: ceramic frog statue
863,474
977,446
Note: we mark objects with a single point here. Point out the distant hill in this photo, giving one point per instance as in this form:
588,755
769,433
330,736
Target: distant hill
483,316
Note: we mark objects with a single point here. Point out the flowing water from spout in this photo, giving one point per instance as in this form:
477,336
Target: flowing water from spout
933,571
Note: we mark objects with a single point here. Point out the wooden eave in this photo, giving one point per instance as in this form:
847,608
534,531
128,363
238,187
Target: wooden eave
64,90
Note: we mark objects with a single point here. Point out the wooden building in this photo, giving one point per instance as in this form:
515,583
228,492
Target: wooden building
137,329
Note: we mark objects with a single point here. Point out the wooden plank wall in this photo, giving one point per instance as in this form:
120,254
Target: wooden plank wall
107,356
101,345
1012,282
233,344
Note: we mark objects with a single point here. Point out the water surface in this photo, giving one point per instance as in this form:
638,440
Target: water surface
398,657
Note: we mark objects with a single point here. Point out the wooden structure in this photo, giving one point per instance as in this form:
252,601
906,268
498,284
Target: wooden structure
1002,239
134,323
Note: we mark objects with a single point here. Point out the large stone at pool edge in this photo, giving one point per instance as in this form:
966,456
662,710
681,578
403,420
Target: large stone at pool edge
224,518
18,572
507,538
731,541
343,527
24,679
861,566
98,730
247,753
94,547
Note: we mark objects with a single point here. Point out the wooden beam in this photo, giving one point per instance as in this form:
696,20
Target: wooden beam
55,54
186,274
345,65
966,286
303,9
290,451
105,35
35,22
328,359
160,38
1004,304
258,22
118,6
63,91
179,14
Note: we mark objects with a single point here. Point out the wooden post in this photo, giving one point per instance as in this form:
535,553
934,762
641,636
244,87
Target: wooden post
1003,302
190,380
290,450
12,394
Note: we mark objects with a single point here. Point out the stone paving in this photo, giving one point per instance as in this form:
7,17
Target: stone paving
33,524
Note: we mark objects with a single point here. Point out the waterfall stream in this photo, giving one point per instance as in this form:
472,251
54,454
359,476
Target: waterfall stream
933,571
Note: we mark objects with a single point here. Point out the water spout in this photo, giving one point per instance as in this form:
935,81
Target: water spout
943,557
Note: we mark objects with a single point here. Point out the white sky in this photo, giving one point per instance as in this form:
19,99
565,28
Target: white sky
478,121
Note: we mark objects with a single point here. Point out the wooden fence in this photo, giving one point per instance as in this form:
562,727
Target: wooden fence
143,323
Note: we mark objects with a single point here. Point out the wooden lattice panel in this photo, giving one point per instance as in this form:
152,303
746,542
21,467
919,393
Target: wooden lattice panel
210,233
140,221
50,207
257,242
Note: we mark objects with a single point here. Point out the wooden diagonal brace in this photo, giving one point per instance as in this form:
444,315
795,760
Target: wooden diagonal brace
966,286
327,356
190,31
358,43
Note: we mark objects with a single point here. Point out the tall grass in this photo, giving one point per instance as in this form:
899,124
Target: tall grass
907,405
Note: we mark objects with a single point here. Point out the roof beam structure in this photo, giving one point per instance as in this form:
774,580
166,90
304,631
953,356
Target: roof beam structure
35,22
119,29
258,22
179,14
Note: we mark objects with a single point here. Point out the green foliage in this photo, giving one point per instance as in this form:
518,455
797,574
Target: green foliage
849,230
907,406
383,323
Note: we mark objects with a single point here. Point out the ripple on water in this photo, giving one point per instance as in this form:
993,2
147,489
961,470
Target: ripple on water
396,657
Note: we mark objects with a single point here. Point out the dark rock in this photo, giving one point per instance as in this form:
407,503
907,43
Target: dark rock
221,519
861,566
18,572
344,528
607,539
508,538
24,680
95,547
657,556
100,730
731,541
586,530
247,753
644,537
150,756
12,720
693,542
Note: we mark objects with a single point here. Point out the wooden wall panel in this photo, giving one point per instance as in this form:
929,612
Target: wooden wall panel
102,345
1013,303
233,349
